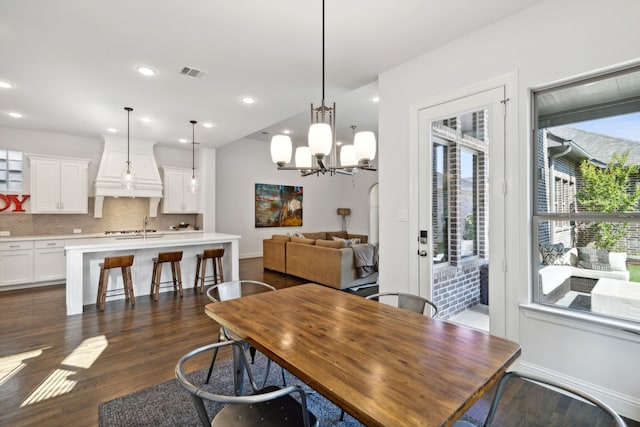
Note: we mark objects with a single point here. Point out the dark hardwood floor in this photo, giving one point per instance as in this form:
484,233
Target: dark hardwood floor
124,349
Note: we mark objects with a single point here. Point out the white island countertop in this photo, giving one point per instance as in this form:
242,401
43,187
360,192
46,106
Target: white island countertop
83,259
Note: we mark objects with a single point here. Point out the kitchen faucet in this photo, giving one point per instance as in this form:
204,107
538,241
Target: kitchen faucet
145,222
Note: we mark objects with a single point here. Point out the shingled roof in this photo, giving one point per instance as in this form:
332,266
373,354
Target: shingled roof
600,146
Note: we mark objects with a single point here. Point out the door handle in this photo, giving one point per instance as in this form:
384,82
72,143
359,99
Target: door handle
422,253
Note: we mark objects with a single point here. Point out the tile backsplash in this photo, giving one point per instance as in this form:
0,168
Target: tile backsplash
117,214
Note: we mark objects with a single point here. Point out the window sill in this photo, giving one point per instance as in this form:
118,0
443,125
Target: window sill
625,329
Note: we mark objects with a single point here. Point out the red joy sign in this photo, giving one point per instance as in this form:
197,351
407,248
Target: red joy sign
15,200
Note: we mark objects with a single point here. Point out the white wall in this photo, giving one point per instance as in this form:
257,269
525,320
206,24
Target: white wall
551,41
241,165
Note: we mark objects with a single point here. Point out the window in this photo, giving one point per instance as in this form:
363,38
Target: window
11,170
460,150
586,215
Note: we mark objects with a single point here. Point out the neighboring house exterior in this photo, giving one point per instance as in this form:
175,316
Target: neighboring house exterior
564,148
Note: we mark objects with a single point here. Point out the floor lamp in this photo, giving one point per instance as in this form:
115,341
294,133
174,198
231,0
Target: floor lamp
344,213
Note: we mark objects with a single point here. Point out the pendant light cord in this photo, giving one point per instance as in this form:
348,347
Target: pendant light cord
193,148
129,110
323,52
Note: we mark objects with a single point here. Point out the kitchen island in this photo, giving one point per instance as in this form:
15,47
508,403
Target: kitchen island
83,261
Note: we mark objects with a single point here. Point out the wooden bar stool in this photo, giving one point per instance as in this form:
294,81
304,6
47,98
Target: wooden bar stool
123,262
201,268
174,258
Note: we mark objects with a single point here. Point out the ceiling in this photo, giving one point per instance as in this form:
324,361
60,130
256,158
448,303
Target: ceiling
72,63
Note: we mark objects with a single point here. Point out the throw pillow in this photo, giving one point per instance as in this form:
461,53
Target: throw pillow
315,236
341,234
348,242
302,240
298,234
552,254
336,244
594,259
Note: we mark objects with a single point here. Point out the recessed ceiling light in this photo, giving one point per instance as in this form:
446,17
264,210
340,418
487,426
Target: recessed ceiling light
375,99
146,71
5,85
145,120
112,130
15,115
208,125
248,99
183,140
286,131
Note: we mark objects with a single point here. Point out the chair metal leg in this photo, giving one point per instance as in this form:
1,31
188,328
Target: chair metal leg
202,412
213,360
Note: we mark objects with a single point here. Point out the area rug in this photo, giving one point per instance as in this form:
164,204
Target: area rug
168,404
581,302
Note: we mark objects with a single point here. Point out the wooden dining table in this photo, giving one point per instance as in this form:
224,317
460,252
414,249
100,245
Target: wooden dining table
383,365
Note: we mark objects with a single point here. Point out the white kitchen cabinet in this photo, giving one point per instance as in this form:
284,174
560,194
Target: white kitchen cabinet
16,263
177,196
49,261
58,184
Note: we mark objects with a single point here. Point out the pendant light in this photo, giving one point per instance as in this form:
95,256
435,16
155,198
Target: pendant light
128,178
193,184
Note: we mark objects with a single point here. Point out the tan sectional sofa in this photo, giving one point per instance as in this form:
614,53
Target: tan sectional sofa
315,257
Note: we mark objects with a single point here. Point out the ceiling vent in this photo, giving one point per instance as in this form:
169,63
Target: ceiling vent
193,72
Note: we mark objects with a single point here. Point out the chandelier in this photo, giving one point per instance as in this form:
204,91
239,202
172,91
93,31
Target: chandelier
322,142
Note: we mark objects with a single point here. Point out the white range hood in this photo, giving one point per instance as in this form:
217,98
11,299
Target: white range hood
114,161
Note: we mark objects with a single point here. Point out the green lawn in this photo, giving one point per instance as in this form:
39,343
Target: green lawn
634,272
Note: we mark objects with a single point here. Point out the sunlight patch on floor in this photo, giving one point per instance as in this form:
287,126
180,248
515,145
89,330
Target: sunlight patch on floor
58,383
11,365
54,385
84,355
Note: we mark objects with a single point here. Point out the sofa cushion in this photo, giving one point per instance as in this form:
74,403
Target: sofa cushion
618,261
281,238
552,254
336,244
347,242
315,236
594,259
305,241
341,234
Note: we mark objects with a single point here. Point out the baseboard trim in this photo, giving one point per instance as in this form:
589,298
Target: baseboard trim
625,405
250,255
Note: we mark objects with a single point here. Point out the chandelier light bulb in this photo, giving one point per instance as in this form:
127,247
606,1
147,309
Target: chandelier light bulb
365,146
303,158
320,139
348,155
281,149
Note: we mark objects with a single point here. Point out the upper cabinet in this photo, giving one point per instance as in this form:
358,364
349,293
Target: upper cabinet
178,197
58,184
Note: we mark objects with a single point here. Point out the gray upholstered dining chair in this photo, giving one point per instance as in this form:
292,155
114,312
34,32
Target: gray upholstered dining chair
268,406
545,383
409,302
232,290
